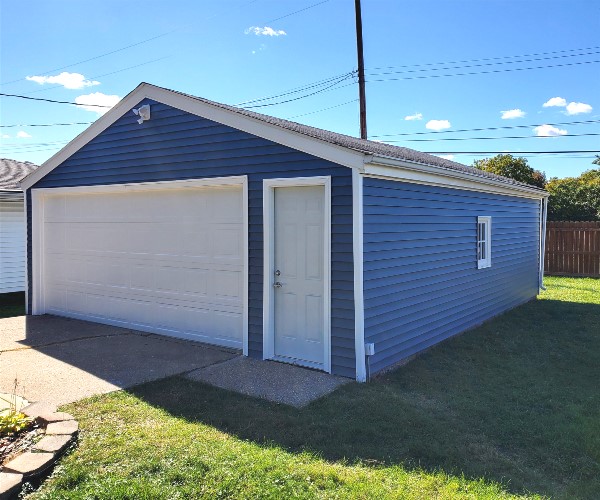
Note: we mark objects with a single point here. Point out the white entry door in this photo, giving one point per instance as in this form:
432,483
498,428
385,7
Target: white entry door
299,275
165,258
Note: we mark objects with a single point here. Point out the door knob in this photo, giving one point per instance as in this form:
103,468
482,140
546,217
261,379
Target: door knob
277,284
278,273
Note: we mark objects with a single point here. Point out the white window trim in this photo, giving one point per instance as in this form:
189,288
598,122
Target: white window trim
269,186
38,197
487,262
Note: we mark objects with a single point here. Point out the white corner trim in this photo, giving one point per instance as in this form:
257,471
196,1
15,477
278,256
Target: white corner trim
269,186
416,173
198,107
543,218
37,229
37,245
357,255
26,235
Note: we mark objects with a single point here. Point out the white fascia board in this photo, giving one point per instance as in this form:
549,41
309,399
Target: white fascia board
100,125
300,142
416,173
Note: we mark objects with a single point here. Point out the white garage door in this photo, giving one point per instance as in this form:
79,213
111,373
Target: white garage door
169,261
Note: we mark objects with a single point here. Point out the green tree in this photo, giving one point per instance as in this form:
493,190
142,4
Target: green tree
510,166
597,160
575,198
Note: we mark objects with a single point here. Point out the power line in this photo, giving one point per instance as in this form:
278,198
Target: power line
297,11
97,57
324,109
483,72
295,90
507,127
25,147
507,152
339,80
101,76
483,64
300,97
45,124
32,150
491,138
486,59
53,101
575,157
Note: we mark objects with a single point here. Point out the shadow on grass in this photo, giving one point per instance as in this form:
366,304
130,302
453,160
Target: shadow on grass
516,401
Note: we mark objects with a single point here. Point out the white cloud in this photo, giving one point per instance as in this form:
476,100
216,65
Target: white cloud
549,131
67,80
447,157
5,136
265,31
555,101
416,116
512,113
90,102
577,108
437,124
21,134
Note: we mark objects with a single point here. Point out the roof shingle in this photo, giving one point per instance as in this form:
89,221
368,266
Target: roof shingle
11,173
364,146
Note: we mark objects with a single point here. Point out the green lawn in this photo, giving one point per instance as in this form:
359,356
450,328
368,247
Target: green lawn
510,408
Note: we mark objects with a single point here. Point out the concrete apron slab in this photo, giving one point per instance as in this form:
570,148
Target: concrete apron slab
277,382
61,360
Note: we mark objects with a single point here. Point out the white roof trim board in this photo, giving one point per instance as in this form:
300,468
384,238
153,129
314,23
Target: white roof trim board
368,157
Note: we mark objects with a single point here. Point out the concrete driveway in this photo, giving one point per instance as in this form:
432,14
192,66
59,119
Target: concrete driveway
62,360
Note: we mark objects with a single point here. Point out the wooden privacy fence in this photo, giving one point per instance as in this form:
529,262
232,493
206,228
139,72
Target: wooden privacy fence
572,248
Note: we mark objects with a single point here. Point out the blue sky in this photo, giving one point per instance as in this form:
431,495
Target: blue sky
239,50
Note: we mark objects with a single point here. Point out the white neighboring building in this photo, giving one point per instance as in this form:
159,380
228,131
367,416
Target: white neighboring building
12,225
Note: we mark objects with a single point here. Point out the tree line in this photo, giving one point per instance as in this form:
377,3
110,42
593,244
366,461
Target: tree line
571,198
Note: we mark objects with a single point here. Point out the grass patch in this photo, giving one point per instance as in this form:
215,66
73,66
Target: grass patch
511,408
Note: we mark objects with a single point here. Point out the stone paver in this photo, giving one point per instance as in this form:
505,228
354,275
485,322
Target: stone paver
65,427
10,484
278,382
29,463
57,416
38,408
61,360
53,444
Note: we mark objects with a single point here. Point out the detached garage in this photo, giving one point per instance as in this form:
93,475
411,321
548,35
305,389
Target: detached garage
198,220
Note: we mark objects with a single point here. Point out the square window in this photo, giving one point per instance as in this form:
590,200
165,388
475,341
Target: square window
484,242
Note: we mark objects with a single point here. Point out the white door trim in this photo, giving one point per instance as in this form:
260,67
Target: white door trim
37,221
269,186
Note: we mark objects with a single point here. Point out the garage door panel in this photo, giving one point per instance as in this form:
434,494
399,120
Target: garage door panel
172,263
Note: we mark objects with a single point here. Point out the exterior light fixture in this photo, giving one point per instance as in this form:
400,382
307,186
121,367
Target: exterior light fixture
143,112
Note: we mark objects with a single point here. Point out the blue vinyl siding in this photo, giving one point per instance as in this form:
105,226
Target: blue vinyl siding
421,282
177,145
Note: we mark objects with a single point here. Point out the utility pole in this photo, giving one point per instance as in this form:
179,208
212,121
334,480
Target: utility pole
361,72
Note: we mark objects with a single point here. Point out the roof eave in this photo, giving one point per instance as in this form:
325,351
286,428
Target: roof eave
419,173
311,145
